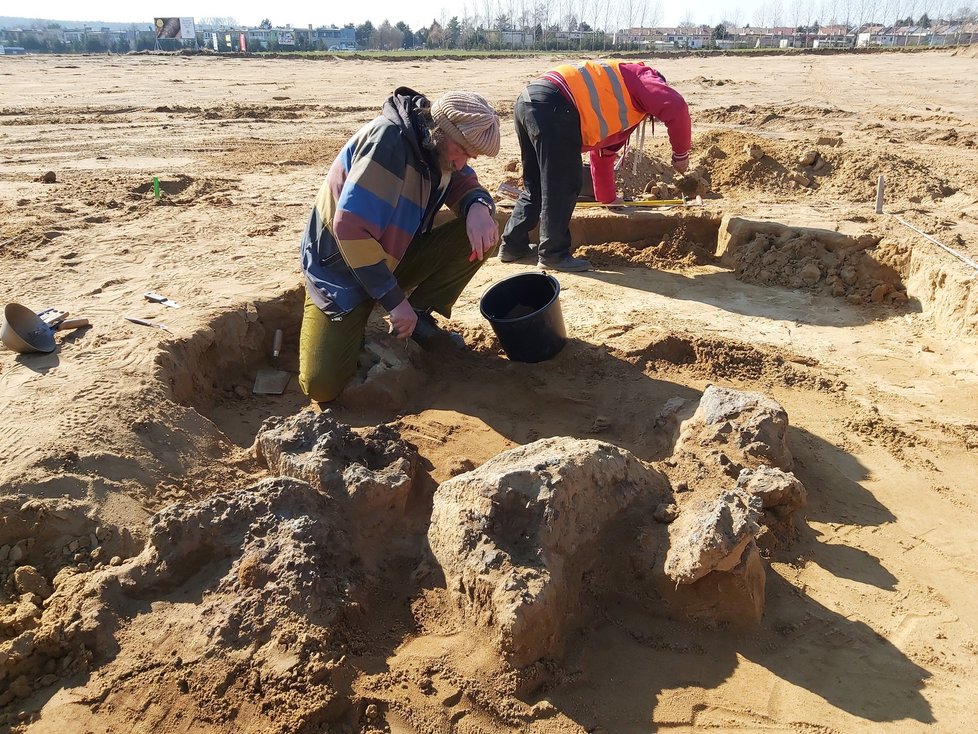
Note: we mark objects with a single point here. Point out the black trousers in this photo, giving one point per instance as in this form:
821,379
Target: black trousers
549,132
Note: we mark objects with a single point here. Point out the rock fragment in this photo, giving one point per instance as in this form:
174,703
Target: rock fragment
517,537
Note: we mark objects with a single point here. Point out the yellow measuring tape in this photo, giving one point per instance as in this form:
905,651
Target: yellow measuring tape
640,203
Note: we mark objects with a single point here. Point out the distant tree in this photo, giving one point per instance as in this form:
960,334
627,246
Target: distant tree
265,25
924,21
364,32
475,36
965,14
30,42
94,45
405,29
421,37
436,35
719,32
387,37
453,32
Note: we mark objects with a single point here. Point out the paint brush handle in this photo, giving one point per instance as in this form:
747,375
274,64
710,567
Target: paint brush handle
71,324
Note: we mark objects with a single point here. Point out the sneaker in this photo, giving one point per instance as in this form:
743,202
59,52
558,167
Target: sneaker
512,254
566,264
430,336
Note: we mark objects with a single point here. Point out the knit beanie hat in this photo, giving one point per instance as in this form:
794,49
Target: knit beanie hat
468,120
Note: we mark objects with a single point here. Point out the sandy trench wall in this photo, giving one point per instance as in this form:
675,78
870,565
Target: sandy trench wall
947,291
600,228
858,268
861,269
866,270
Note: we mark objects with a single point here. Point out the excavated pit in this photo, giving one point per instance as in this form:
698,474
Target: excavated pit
219,365
374,509
213,373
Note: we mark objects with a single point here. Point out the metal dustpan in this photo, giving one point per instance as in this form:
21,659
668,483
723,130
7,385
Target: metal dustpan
24,331
272,381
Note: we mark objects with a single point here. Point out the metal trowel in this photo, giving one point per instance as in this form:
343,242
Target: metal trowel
270,380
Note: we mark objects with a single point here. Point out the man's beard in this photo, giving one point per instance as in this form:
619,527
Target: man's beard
438,137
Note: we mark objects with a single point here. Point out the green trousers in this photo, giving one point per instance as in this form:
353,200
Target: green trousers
434,271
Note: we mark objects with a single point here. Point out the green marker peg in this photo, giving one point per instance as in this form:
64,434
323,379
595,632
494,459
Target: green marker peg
156,188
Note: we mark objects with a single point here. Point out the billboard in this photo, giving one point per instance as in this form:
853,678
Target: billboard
175,28
286,38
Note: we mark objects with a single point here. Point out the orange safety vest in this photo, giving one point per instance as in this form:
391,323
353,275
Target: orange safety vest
602,100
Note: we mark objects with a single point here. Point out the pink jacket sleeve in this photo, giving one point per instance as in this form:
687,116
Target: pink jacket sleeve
603,175
653,96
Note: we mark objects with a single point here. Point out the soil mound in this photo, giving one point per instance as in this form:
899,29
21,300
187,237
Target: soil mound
819,261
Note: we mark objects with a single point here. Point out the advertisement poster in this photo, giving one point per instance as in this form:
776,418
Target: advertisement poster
175,28
187,28
286,38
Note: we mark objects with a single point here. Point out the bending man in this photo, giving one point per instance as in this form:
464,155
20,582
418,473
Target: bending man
370,237
593,106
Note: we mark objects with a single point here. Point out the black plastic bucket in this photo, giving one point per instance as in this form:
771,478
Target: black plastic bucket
524,311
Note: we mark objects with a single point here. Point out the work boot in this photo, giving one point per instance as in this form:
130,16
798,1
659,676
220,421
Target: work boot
566,264
512,253
430,336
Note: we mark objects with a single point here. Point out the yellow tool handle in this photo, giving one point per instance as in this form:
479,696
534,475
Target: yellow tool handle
644,202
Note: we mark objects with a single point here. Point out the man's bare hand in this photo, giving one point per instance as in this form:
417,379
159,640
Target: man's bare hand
403,319
482,230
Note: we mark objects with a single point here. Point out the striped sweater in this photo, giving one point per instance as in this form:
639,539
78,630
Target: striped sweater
382,190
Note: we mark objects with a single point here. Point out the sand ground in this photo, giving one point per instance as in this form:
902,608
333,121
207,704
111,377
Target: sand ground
871,623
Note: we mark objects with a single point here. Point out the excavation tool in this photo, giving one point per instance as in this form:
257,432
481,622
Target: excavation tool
146,322
157,298
509,191
270,380
25,331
